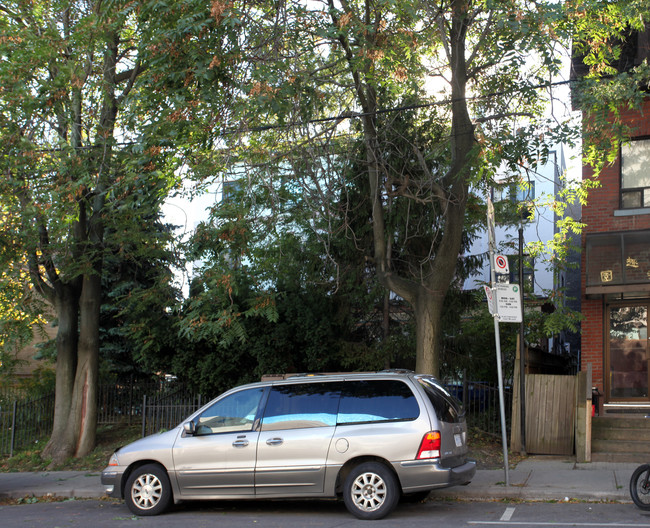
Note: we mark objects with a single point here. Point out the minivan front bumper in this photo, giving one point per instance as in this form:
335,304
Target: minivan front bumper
112,481
417,475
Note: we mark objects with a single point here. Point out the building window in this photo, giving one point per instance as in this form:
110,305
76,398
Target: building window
231,190
515,193
616,260
524,192
635,174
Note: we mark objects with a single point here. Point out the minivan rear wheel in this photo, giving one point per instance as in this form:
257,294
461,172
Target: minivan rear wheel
371,491
148,491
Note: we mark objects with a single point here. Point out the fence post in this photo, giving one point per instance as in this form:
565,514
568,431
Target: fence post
128,420
13,429
583,415
465,393
144,415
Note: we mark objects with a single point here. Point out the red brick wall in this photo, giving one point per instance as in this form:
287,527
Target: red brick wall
598,214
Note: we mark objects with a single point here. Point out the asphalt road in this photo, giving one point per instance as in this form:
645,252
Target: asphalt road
326,514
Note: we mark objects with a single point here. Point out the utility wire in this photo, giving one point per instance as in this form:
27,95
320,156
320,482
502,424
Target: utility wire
340,117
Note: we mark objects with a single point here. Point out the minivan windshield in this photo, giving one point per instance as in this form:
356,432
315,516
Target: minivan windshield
448,409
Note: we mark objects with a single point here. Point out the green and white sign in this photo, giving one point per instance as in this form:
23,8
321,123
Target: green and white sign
508,303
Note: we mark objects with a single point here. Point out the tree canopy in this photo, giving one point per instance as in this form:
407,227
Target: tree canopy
363,137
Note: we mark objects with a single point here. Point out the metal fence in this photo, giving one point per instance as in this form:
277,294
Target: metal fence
122,402
162,406
481,403
24,423
166,411
157,406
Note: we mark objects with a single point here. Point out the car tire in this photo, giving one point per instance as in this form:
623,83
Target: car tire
148,490
371,491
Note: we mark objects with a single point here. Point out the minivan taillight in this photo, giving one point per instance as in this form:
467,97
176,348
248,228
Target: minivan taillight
430,446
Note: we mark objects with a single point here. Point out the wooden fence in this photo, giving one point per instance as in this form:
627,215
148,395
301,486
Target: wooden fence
550,402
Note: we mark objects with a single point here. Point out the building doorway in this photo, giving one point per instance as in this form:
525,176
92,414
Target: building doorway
627,353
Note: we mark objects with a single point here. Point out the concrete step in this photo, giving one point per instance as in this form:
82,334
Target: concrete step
622,438
620,458
620,422
621,435
633,447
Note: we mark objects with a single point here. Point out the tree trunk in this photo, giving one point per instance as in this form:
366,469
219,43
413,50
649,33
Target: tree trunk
75,412
83,413
427,309
426,295
67,309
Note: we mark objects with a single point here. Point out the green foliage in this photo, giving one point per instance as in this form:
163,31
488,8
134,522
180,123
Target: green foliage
40,383
611,82
298,103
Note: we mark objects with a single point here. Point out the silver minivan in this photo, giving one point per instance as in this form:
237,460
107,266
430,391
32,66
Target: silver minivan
369,438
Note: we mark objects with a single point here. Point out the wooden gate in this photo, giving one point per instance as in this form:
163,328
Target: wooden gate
550,415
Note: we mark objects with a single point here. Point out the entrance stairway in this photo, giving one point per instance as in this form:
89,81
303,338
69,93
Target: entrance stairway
620,438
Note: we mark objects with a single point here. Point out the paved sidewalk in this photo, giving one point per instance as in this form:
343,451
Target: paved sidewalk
545,478
538,478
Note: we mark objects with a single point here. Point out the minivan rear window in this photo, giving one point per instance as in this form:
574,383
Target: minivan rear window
447,408
377,401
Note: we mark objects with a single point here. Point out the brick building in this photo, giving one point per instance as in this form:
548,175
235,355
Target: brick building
616,264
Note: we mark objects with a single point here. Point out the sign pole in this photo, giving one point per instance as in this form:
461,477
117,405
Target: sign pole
497,338
522,347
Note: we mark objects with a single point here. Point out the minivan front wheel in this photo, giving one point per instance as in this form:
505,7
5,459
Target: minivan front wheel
371,491
148,491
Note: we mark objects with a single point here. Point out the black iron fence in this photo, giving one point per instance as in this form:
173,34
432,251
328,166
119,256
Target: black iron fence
162,406
23,423
157,406
482,406
165,411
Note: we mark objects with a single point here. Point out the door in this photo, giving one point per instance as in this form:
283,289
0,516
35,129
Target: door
627,353
219,459
297,428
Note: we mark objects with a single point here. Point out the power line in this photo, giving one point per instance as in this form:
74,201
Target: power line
419,106
341,117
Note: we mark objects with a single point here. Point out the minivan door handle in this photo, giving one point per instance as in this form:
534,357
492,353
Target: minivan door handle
240,442
274,441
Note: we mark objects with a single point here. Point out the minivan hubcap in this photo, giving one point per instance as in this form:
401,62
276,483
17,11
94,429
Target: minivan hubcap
369,491
146,491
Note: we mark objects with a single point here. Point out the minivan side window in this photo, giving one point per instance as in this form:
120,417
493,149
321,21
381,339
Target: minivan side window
301,405
235,412
377,401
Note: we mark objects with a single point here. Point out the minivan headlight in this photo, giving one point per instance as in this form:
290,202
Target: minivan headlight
113,460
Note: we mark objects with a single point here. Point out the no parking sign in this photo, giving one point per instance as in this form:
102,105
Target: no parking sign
501,264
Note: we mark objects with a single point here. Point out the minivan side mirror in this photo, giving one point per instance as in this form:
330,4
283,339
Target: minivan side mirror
189,428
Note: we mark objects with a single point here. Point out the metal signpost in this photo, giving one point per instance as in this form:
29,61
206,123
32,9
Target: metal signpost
504,303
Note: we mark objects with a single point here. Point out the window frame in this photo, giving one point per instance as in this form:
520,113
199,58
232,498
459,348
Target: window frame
643,190
308,419
201,426
369,419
